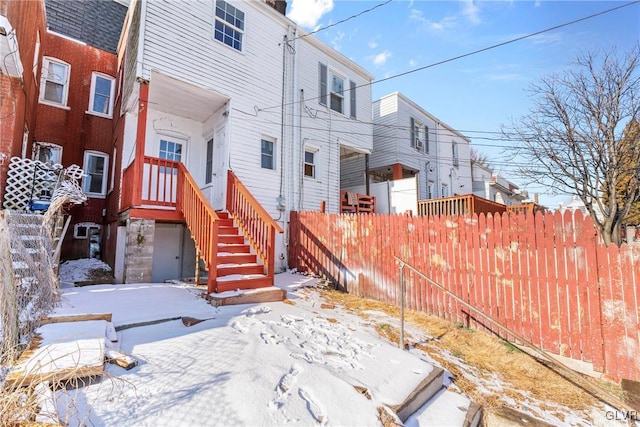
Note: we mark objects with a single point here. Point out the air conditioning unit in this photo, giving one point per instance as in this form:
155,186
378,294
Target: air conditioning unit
11,64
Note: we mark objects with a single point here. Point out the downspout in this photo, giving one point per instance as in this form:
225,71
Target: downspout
366,174
438,185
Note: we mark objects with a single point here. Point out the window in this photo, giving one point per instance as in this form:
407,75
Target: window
101,98
454,153
229,25
170,150
445,191
430,190
309,164
82,229
209,165
417,134
54,88
95,168
337,93
331,86
47,153
267,154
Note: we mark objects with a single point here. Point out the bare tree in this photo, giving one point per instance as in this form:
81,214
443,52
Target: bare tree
574,140
479,158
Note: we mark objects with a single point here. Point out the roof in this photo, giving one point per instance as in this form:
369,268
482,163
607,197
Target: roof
97,23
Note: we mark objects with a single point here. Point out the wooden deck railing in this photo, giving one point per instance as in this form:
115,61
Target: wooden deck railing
201,219
157,184
356,203
459,205
256,224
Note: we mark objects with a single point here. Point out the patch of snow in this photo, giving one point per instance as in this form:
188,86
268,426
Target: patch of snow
79,270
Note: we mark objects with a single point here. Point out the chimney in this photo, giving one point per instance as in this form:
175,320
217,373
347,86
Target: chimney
279,5
536,199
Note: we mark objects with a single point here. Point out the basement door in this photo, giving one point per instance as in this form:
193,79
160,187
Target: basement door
220,166
167,252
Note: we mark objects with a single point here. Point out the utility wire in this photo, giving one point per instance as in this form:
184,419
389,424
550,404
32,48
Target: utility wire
344,20
475,52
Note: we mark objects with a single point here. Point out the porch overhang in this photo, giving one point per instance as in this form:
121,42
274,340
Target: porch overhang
177,97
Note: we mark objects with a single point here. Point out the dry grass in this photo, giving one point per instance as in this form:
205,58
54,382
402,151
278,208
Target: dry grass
484,358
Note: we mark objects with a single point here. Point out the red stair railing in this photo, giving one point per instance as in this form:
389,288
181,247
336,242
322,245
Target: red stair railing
254,222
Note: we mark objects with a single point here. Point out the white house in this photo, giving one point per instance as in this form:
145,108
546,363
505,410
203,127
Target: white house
492,186
410,143
227,86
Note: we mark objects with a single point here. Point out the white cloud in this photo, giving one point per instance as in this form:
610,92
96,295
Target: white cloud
373,44
308,12
471,12
413,62
337,39
381,58
444,23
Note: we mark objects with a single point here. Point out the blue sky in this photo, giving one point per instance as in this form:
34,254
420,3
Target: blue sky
479,93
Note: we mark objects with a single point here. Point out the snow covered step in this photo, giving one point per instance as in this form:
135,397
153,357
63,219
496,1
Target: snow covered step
232,268
447,408
428,387
239,281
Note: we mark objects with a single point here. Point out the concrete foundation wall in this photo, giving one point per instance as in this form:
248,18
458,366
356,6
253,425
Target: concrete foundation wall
138,259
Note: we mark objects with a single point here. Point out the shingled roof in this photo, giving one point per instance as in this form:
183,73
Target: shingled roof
98,23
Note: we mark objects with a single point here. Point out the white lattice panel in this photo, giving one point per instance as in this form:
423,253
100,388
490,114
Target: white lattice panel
28,179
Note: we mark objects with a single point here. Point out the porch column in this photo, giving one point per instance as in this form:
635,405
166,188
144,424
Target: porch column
140,143
397,171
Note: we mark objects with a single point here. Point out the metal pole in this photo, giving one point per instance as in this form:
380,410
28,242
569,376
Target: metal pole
401,343
197,272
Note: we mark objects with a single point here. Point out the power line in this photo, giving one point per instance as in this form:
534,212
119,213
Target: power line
475,52
343,20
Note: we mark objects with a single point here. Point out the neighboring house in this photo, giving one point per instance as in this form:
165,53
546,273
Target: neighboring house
490,185
211,87
69,78
408,142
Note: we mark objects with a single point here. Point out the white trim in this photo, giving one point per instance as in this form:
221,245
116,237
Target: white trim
105,171
94,76
274,143
86,226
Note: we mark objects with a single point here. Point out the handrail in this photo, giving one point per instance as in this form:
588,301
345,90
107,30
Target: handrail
459,205
254,221
201,219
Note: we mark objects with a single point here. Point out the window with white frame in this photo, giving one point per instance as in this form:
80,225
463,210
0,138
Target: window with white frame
445,190
331,88
54,88
267,153
95,168
430,185
82,230
418,134
47,153
101,98
229,25
310,163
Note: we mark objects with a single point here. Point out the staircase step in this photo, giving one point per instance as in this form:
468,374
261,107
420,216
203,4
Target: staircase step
226,222
233,248
238,281
222,215
229,230
231,238
427,388
248,268
235,258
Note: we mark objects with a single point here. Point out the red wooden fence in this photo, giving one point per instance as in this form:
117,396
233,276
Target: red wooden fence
546,277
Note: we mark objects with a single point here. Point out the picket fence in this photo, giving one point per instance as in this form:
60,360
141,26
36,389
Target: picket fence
547,278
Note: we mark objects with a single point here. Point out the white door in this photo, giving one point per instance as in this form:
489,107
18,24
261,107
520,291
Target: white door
167,252
220,166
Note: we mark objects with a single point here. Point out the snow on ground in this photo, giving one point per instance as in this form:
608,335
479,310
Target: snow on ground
267,364
80,270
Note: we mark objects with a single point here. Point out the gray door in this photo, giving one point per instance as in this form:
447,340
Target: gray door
167,252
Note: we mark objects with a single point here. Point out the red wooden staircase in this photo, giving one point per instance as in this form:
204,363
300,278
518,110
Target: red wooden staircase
236,266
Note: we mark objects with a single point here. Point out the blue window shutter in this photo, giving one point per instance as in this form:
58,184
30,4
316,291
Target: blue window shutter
323,84
426,139
413,132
